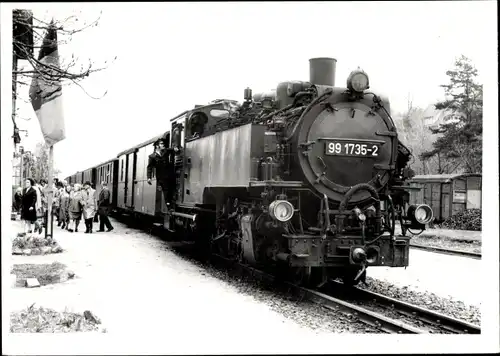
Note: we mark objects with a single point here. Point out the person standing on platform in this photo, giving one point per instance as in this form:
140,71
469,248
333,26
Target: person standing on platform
75,208
89,206
56,202
104,207
18,200
64,199
39,207
28,209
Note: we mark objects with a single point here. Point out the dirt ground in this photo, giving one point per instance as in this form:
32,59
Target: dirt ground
141,290
136,285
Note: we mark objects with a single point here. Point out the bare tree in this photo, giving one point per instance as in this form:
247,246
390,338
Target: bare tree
29,34
39,164
415,134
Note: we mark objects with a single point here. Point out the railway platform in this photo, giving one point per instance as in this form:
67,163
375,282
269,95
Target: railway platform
137,286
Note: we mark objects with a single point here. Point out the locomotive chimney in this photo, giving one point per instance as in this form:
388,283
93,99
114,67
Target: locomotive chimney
322,71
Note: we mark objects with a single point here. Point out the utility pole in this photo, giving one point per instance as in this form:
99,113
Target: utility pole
28,168
50,193
21,151
14,98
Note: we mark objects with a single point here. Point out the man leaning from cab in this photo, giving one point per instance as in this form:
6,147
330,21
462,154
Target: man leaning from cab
162,160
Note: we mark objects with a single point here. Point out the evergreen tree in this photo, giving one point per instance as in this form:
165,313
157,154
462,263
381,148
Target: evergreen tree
460,138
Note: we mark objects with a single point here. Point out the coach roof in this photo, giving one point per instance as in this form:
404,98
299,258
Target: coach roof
145,143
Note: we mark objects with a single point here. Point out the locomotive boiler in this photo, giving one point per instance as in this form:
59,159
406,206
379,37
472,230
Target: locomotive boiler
307,179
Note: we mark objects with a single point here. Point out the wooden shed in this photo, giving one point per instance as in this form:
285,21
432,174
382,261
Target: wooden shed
447,194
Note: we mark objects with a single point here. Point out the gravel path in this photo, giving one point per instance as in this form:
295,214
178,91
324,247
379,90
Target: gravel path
137,286
304,313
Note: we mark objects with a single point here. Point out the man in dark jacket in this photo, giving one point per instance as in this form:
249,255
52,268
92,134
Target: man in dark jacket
104,207
18,200
162,160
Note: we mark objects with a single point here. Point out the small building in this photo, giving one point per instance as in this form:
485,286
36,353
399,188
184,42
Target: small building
447,194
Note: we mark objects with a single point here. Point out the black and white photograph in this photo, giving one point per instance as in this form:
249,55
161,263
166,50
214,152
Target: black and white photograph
250,177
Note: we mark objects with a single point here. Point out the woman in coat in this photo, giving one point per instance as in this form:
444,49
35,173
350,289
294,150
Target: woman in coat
75,208
28,209
89,206
64,199
39,207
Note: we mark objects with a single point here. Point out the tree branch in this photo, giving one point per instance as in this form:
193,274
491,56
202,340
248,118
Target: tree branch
64,73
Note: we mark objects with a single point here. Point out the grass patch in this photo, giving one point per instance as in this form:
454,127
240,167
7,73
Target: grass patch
44,320
447,243
45,273
22,241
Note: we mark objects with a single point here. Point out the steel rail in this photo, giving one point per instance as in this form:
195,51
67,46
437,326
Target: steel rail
431,317
364,315
446,251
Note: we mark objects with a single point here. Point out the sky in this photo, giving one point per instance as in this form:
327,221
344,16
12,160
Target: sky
171,56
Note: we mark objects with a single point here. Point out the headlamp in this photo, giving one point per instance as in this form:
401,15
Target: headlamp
281,210
420,213
358,81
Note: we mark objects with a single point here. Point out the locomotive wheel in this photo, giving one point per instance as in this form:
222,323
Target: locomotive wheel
307,276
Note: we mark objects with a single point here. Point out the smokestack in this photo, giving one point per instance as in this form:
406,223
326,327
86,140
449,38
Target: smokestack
322,71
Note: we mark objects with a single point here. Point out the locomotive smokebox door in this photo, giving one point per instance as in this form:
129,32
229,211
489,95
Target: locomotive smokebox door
349,144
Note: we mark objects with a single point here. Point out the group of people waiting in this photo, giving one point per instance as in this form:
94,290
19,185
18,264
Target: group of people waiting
70,204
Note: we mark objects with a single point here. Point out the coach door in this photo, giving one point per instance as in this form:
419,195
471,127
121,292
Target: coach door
177,139
130,180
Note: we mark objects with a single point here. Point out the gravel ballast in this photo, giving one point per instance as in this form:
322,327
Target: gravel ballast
446,243
453,308
304,313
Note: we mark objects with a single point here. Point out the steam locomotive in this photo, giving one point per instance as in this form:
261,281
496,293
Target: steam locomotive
307,180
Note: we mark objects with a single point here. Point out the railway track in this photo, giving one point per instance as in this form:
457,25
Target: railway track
446,251
365,306
368,307
427,320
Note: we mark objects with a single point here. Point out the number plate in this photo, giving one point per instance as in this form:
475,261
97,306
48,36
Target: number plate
352,148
